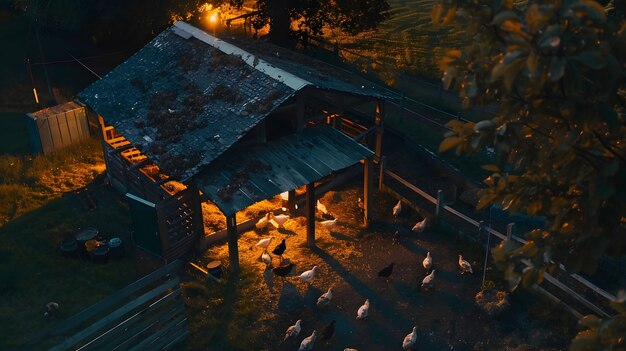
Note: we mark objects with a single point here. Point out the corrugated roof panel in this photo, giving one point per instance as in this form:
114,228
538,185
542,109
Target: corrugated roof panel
239,179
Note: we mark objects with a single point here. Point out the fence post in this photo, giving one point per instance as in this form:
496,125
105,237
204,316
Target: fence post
440,203
510,229
381,176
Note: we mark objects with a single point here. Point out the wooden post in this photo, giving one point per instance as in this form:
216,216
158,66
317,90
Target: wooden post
510,229
291,200
440,203
367,190
379,128
310,214
233,250
299,112
381,175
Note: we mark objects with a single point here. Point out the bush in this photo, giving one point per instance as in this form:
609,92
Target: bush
493,302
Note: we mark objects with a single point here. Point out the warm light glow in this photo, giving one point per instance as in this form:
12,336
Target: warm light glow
213,18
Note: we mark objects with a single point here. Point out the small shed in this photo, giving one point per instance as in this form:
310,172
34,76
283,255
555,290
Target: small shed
58,126
191,118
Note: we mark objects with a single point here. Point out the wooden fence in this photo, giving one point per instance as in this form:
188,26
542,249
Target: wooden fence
576,293
148,314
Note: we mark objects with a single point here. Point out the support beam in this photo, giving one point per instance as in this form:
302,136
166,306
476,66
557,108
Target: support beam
379,128
233,249
367,190
310,215
291,200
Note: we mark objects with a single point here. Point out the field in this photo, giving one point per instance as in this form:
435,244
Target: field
253,311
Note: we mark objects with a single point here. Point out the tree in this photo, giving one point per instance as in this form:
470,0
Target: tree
287,17
556,70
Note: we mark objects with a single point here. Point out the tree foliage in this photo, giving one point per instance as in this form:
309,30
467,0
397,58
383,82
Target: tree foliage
556,69
287,17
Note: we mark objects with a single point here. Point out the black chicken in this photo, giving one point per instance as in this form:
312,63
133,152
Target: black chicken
328,331
283,271
280,249
386,272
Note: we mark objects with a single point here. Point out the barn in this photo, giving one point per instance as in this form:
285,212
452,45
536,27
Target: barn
235,122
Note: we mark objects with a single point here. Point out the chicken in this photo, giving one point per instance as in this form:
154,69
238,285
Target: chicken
264,243
427,282
349,349
363,310
360,204
328,331
420,226
409,340
52,309
283,271
395,238
330,224
308,276
284,195
279,221
321,207
324,300
308,342
428,261
397,209
280,249
386,272
267,259
263,222
293,330
465,266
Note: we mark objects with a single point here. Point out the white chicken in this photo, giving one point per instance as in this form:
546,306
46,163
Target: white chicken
465,266
420,226
330,224
279,221
267,259
263,222
308,342
308,276
264,243
349,349
284,195
321,207
324,300
428,261
363,310
409,340
293,330
397,209
427,282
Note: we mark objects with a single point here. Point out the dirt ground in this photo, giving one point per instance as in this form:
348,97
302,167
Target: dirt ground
348,259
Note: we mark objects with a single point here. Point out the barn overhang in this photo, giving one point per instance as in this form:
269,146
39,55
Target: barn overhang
239,178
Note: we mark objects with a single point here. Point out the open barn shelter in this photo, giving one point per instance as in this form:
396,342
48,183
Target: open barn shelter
191,118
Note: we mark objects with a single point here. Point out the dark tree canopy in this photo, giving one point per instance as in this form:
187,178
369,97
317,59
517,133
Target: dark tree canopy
556,69
287,17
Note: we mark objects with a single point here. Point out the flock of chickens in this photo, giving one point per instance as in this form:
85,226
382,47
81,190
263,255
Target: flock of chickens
324,300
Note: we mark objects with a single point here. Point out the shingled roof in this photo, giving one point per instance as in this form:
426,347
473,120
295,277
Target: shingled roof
187,97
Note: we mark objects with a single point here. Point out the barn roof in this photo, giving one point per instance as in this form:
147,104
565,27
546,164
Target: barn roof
237,180
187,97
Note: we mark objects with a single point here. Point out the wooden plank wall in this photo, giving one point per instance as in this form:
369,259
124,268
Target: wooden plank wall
148,314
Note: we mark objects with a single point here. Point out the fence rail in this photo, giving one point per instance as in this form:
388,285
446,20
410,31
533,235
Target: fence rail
582,294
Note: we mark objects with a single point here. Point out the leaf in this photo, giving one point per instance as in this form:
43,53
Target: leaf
485,200
586,340
529,277
534,207
591,58
449,16
449,143
557,69
503,16
436,14
491,168
484,126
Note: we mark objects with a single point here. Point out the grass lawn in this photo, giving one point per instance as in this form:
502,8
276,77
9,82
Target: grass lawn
253,311
38,210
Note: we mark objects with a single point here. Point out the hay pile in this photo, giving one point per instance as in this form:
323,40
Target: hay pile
493,302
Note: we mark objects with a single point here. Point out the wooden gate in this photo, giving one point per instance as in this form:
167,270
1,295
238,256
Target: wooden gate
148,314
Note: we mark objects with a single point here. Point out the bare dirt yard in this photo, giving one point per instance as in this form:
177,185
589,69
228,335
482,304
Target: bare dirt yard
253,311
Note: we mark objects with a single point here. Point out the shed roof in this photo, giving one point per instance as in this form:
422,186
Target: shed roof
187,97
239,179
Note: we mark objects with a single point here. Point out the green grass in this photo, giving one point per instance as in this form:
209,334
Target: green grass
35,217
